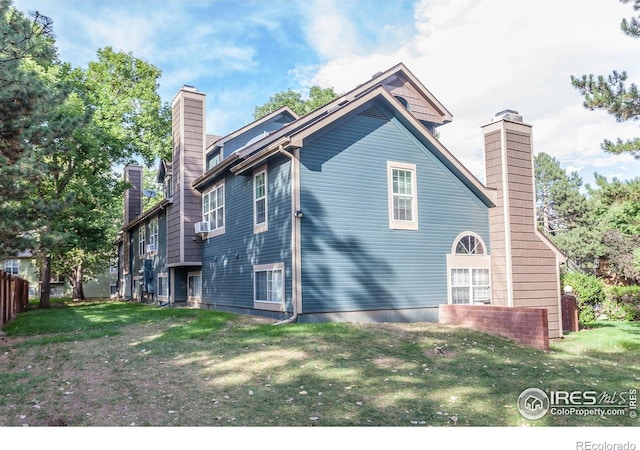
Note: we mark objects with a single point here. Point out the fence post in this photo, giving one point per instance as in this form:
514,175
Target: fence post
14,296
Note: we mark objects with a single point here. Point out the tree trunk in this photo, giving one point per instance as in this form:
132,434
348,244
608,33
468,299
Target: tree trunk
76,283
45,282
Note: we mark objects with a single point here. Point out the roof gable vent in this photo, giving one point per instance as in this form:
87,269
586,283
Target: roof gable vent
374,113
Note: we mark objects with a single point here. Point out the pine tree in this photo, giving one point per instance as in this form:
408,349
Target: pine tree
612,94
560,204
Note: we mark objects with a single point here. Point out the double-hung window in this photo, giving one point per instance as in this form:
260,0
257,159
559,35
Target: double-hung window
153,236
142,240
268,283
403,196
260,215
12,266
213,208
470,286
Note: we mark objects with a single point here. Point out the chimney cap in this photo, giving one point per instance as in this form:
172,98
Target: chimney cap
508,114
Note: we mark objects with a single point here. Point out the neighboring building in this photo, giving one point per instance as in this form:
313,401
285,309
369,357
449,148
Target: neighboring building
25,265
353,212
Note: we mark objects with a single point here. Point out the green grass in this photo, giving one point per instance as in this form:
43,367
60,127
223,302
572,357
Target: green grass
117,364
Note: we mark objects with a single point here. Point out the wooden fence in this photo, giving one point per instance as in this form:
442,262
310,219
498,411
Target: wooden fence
14,296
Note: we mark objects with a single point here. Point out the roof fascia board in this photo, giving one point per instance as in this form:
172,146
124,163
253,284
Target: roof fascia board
147,214
212,173
448,157
253,124
298,139
260,156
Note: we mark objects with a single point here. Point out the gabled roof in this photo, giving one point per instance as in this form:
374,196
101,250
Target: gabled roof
293,135
164,168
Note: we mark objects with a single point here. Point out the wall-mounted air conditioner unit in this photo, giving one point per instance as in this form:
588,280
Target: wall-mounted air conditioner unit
202,227
152,248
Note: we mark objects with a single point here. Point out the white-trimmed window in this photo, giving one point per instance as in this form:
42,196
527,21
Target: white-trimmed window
403,196
469,271
470,286
12,266
260,215
213,208
194,285
163,285
153,236
268,284
142,240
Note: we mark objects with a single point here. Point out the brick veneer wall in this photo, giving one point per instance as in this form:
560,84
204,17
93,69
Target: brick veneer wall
526,326
569,313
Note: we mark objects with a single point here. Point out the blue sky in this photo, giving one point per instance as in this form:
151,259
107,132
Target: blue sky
477,57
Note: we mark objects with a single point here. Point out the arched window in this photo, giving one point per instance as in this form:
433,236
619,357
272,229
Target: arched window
404,102
469,244
469,265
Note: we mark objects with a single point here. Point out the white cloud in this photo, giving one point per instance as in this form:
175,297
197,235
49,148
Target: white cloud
482,56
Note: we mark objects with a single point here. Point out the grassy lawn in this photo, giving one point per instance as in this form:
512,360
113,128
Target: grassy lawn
123,364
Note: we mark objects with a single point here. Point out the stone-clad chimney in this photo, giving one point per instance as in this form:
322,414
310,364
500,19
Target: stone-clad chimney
133,195
525,264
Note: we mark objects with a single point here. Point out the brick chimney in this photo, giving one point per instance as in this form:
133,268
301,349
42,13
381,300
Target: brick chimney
524,263
133,195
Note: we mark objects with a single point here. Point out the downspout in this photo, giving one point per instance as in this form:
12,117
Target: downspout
295,234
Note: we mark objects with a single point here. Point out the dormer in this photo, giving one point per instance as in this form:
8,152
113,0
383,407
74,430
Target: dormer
249,134
165,178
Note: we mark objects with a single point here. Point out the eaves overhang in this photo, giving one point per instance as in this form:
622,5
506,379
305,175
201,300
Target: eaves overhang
211,175
148,214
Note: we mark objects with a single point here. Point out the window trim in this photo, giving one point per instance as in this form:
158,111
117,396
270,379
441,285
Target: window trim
468,262
163,275
263,226
15,264
219,230
194,298
142,241
266,304
154,233
397,224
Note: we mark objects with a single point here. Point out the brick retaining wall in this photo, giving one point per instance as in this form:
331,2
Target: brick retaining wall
526,326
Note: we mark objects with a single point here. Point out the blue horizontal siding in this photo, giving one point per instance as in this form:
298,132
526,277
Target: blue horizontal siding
228,259
351,260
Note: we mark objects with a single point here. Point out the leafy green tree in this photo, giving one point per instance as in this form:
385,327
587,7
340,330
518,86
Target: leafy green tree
616,206
612,94
123,91
294,100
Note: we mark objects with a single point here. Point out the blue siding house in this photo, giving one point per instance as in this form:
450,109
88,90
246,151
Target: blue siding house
356,212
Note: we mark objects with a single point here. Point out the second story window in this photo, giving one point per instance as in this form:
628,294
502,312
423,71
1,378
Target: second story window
153,236
168,186
403,196
260,223
213,208
142,240
12,266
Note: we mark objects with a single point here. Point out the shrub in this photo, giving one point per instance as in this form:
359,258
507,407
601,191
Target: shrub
589,292
622,303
